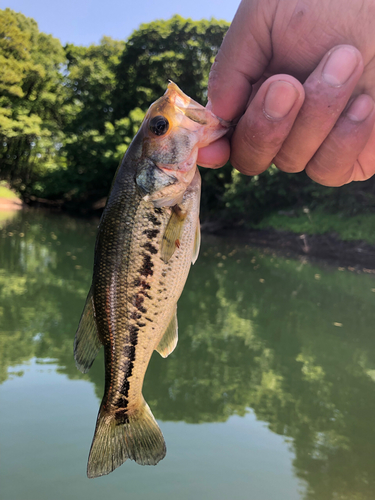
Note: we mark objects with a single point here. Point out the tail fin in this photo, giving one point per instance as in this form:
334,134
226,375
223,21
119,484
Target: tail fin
136,436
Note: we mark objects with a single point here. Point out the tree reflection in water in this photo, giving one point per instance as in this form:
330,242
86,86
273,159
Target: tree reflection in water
288,339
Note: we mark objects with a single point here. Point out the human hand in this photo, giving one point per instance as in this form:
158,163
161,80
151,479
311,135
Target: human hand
326,125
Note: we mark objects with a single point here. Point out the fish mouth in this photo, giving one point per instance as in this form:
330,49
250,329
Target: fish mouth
192,109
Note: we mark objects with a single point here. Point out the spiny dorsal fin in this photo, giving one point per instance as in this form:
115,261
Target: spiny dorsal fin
173,232
197,243
86,342
170,337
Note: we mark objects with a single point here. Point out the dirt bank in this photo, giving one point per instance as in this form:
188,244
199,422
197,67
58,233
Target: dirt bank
11,204
327,247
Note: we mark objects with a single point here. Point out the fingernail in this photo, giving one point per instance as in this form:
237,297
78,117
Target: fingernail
279,99
340,66
360,108
209,104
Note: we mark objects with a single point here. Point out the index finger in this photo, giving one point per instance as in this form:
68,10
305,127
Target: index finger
241,60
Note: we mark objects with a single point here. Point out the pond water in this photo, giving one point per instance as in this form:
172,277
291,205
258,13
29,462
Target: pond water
270,393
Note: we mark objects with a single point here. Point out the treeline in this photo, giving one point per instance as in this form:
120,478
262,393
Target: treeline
68,114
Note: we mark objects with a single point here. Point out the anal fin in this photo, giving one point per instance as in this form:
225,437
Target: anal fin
169,340
86,341
173,232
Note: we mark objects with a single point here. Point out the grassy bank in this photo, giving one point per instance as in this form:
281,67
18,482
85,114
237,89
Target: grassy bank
6,193
360,227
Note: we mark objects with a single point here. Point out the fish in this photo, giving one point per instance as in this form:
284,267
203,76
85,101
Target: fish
148,237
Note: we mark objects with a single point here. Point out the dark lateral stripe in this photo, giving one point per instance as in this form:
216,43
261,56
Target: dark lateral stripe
146,269
129,352
135,315
153,219
142,283
133,335
128,365
123,403
150,248
151,233
138,302
121,417
125,388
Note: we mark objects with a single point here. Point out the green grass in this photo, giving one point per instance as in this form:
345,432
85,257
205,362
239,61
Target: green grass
359,227
6,193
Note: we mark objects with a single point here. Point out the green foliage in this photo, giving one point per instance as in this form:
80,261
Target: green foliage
92,158
67,116
356,227
7,193
113,85
248,199
31,98
179,49
93,143
106,90
214,185
91,82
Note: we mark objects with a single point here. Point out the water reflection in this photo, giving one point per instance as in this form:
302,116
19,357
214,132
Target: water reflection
290,340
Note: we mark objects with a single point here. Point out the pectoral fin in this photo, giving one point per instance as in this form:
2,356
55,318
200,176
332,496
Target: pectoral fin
86,342
170,337
172,235
197,243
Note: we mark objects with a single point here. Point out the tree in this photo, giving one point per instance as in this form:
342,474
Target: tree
31,98
94,141
110,87
91,82
178,49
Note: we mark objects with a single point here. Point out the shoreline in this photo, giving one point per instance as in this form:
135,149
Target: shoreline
11,204
355,255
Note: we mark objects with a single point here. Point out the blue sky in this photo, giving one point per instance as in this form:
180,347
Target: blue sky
85,21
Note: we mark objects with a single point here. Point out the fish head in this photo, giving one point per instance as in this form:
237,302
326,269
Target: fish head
173,130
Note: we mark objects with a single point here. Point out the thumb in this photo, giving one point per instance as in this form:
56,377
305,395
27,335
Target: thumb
242,58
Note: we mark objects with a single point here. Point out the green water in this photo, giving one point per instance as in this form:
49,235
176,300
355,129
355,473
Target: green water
270,393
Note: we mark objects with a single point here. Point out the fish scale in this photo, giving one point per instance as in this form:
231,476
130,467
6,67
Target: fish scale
147,239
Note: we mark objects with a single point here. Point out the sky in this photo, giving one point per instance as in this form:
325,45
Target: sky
83,22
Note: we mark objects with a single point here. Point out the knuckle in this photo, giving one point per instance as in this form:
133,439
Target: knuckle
328,173
263,139
288,164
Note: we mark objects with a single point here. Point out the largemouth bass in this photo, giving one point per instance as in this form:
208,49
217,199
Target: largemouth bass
147,239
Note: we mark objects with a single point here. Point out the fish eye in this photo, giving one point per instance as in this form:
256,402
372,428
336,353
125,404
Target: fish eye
159,125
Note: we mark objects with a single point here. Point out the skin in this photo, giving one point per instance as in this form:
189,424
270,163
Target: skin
298,77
